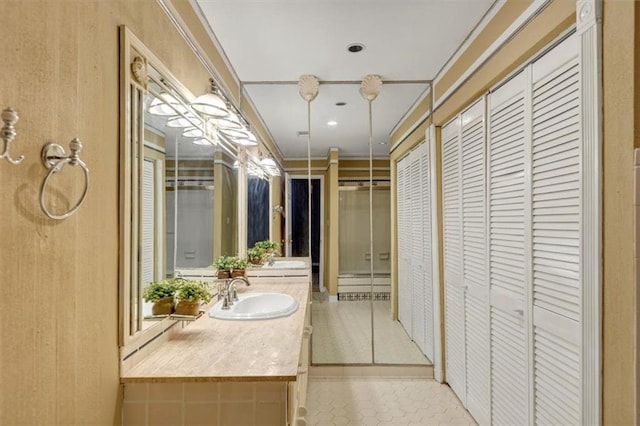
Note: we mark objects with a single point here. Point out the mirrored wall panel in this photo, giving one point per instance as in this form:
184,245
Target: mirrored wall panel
359,327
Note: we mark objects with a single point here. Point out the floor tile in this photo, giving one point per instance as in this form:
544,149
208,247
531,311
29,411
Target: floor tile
383,401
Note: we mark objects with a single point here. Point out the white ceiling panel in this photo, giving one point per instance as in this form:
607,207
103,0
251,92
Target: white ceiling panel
267,41
286,112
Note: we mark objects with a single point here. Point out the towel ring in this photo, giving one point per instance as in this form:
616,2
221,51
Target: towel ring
54,159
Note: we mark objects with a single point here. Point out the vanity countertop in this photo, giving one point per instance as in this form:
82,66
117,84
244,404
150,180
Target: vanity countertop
211,349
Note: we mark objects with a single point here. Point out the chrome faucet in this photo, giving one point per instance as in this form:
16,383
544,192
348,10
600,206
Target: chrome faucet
271,258
230,294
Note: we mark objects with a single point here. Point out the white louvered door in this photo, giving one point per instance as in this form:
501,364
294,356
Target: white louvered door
557,285
474,259
453,291
148,229
404,278
424,152
512,248
415,282
416,237
508,137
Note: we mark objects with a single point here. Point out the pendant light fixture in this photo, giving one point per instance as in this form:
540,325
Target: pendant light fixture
248,140
369,89
308,86
166,105
189,121
231,121
211,104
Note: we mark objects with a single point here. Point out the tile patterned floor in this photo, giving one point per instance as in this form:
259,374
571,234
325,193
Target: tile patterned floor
342,334
383,401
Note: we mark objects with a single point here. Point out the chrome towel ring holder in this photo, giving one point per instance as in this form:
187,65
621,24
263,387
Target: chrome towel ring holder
54,158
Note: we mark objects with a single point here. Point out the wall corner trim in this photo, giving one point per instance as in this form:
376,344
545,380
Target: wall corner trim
589,29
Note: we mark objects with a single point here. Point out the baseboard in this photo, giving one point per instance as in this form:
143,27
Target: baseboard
390,371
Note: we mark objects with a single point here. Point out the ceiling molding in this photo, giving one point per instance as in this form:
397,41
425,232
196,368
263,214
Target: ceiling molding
410,130
531,12
481,25
416,104
336,82
188,36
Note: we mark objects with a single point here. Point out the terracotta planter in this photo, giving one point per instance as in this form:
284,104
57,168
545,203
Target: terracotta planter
224,274
163,306
238,273
185,307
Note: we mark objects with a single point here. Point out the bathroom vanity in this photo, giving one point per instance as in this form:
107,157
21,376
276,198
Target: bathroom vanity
214,371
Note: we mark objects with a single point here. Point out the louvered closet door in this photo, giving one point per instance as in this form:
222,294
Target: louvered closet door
556,235
404,278
474,255
424,151
148,223
453,292
417,242
507,133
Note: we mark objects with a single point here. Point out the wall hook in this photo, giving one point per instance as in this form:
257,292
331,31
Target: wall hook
8,134
54,159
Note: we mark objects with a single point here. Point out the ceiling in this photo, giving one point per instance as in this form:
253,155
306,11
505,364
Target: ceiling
269,41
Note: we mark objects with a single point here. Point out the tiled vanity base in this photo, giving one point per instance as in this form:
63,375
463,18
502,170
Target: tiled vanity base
212,403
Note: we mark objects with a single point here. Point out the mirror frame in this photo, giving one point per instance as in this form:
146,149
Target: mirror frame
135,60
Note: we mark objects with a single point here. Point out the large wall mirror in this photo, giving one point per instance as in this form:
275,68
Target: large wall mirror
179,184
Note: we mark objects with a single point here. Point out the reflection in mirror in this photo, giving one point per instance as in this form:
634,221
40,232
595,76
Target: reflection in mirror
226,200
168,185
176,183
257,208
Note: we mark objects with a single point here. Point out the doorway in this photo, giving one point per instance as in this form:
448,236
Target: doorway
298,225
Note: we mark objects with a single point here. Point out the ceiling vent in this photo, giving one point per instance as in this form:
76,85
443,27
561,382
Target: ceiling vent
302,133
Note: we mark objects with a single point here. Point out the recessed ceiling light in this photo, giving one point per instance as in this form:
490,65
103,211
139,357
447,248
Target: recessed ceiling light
341,103
332,123
383,143
355,47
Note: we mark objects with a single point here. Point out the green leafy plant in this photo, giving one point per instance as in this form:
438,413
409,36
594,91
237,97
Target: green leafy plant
193,291
238,263
256,254
157,290
267,245
223,263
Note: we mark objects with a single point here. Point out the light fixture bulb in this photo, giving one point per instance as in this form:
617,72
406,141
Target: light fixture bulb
202,141
267,162
179,121
248,140
232,121
211,104
193,132
332,123
234,133
166,105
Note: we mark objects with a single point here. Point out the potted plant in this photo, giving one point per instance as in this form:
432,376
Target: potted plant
224,265
161,294
238,266
256,255
191,294
268,246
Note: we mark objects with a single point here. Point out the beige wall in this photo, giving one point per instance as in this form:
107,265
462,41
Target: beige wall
59,346
620,90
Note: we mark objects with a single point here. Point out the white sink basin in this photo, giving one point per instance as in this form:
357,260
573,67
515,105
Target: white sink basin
256,306
287,264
